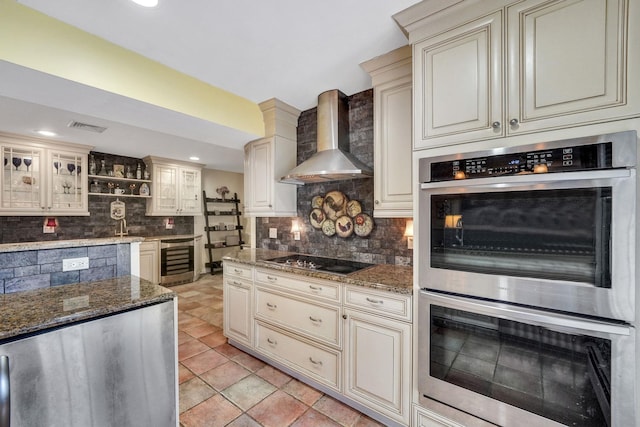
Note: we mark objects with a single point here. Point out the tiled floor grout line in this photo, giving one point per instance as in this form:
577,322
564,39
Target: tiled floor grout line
223,386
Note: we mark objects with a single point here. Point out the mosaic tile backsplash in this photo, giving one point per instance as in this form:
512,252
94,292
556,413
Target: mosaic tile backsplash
385,245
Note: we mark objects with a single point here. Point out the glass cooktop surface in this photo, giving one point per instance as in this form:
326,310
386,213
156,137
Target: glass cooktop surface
328,265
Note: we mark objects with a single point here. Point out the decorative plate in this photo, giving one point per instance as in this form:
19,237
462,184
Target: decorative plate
335,204
329,228
344,226
363,224
353,208
316,202
317,217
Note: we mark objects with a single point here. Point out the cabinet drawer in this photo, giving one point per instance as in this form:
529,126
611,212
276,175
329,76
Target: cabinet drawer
321,322
238,270
379,302
300,284
318,363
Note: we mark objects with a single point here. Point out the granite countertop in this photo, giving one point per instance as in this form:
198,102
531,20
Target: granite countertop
387,277
56,244
33,311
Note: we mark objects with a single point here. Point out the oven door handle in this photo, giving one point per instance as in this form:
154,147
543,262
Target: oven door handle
533,178
554,321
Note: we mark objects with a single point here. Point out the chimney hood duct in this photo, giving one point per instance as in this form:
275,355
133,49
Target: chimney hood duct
332,162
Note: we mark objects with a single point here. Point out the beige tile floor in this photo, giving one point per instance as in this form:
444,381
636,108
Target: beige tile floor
223,386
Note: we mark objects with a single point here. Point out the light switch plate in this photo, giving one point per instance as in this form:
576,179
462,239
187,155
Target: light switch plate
273,233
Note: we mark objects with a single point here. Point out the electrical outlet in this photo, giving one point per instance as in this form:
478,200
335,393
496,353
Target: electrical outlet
273,233
71,264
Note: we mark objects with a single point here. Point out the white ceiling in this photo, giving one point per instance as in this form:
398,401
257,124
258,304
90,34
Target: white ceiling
286,49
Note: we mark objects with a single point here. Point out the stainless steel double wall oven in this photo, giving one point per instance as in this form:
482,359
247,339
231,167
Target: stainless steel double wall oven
527,274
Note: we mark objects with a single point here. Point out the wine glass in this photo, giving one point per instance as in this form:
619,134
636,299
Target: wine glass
132,187
111,186
17,161
5,161
78,170
56,165
27,162
71,167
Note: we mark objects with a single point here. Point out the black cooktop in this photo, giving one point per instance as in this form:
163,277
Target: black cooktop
328,265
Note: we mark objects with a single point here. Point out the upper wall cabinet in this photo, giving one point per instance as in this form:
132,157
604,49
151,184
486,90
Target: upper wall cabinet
392,89
565,63
266,160
43,178
176,188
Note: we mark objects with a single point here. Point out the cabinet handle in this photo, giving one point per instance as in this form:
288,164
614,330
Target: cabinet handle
5,393
315,362
495,125
375,301
272,306
270,206
514,122
272,342
236,283
275,279
313,319
344,316
315,288
237,270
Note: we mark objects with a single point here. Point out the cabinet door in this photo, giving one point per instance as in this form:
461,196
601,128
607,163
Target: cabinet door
23,180
165,186
261,176
392,150
150,261
458,84
567,62
190,191
237,310
67,190
378,363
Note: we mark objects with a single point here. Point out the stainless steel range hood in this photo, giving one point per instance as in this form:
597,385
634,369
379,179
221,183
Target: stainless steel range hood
332,161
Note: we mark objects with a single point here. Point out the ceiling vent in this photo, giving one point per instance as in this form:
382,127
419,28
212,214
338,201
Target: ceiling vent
86,126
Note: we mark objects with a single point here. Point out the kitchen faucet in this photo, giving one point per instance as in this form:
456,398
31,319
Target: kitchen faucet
123,228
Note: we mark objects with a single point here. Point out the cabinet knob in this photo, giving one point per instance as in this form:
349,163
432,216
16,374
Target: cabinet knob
344,316
495,125
514,122
377,202
270,206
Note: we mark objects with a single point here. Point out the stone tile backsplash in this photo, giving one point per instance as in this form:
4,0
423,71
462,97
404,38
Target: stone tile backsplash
27,270
385,245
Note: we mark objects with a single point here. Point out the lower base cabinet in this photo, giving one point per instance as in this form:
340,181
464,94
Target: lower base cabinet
377,358
150,261
351,342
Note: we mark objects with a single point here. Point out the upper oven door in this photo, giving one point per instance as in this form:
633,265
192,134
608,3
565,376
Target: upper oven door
563,241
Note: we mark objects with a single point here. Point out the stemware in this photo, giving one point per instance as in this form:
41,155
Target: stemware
27,162
132,187
71,167
56,165
17,161
5,161
78,170
111,186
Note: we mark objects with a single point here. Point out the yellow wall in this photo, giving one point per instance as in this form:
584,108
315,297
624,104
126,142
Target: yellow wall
37,41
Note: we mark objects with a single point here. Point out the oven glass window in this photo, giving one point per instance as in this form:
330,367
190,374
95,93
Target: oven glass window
548,234
560,376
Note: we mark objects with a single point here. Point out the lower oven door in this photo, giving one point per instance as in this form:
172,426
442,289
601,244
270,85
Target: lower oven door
516,366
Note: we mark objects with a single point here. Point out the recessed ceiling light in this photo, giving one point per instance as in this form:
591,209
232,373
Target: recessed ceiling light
146,3
194,158
46,133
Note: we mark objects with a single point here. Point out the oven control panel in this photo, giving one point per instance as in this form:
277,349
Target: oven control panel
563,159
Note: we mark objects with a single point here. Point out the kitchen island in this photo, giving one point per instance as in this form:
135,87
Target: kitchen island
348,335
96,353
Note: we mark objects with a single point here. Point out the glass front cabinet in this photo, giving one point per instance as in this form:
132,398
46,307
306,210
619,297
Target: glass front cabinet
177,187
42,178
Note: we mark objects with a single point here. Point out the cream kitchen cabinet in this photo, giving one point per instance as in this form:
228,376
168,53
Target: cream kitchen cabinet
176,188
266,161
43,178
238,296
564,63
392,97
377,353
150,261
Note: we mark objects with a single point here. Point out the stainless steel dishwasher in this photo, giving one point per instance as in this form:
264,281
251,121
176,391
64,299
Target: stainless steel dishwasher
176,261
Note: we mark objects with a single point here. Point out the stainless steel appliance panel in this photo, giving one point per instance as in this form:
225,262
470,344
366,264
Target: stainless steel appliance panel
550,253
515,366
119,370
